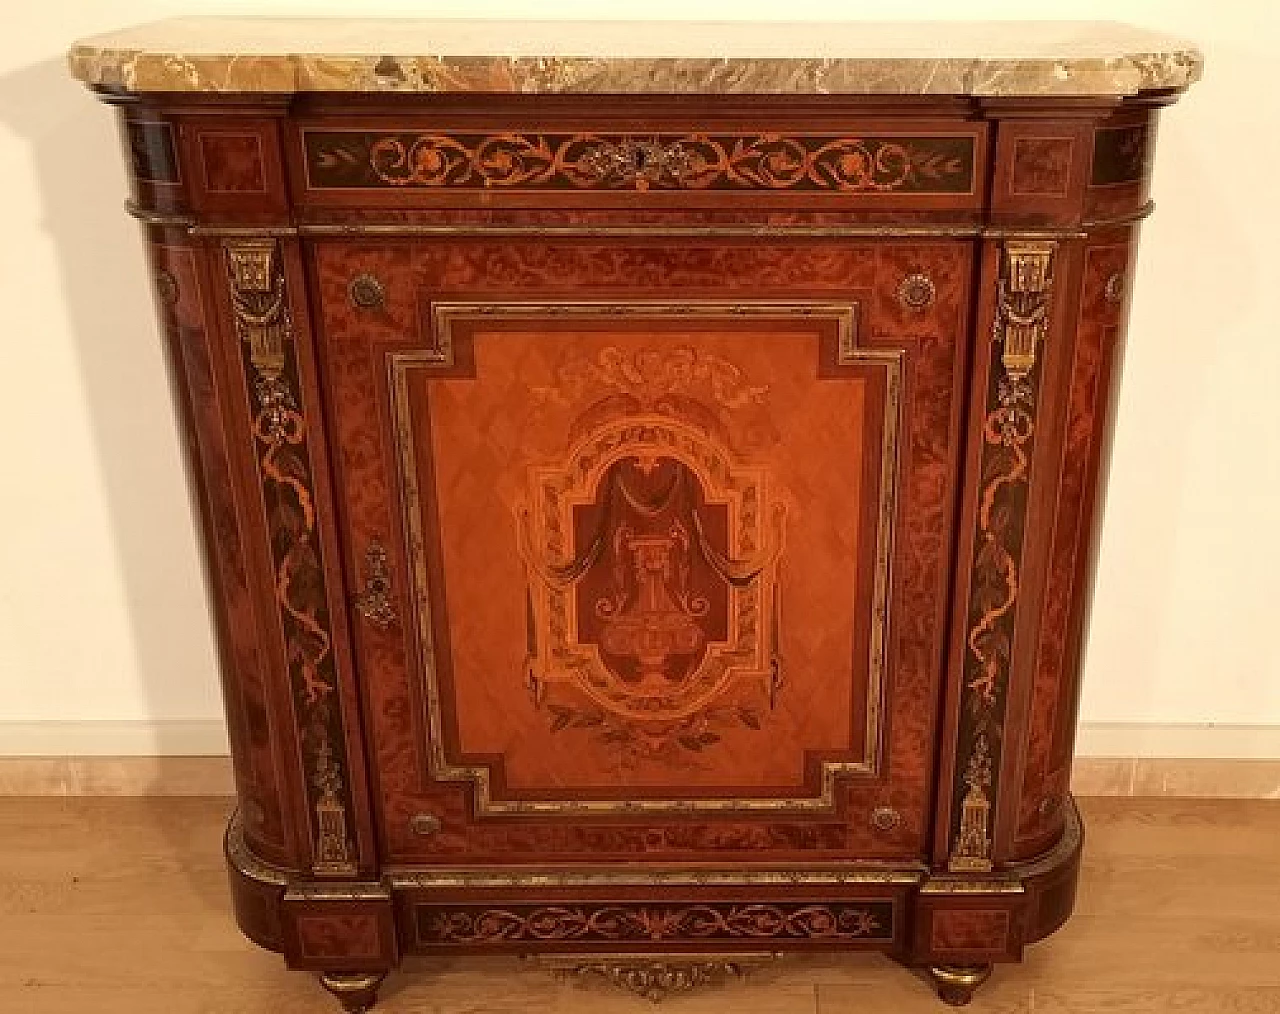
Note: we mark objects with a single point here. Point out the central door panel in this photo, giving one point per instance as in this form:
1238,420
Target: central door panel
649,543
620,529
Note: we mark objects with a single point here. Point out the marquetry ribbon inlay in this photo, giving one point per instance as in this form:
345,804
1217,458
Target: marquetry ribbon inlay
1008,431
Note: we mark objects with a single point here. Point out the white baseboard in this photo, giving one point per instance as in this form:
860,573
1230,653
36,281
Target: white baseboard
1207,741
189,758
208,738
169,738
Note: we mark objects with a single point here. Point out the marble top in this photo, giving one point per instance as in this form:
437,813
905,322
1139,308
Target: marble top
266,54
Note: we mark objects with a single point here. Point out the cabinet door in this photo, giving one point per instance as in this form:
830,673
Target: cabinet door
648,540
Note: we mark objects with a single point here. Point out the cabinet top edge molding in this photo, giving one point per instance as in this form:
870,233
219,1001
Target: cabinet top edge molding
381,55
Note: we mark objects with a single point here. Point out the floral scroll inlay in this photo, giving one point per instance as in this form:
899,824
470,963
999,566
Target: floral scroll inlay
362,159
691,922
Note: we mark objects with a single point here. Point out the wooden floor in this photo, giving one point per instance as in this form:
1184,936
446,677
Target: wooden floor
118,906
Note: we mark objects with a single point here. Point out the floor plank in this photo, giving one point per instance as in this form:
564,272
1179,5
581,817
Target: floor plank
116,905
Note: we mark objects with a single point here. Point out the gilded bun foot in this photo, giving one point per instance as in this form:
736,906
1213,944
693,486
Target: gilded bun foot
956,984
356,991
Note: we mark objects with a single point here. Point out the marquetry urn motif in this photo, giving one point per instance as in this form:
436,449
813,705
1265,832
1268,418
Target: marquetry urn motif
649,501
652,555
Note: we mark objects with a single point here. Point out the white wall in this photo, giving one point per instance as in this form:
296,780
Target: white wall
102,612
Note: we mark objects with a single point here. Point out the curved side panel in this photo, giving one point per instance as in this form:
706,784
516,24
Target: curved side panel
257,889
1050,882
180,276
966,920
1078,472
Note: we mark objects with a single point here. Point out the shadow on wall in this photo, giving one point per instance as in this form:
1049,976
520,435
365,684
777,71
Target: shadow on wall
1196,287
123,381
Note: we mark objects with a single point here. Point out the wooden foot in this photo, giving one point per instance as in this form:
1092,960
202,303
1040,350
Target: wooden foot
956,984
356,991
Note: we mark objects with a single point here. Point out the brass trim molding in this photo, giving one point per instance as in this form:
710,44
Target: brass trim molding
350,891
1071,840
245,862
1129,218
245,231
849,231
526,877
853,230
444,315
149,217
1008,882
956,885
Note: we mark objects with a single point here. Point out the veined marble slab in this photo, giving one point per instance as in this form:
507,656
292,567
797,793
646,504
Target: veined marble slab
248,54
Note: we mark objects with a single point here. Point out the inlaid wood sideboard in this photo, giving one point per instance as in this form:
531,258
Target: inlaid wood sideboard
649,473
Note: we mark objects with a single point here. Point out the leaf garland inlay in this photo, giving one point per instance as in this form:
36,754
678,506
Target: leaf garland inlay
263,323
1013,382
366,159
610,922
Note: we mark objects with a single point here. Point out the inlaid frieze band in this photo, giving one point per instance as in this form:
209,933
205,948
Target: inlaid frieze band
361,159
263,323
1008,431
868,921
